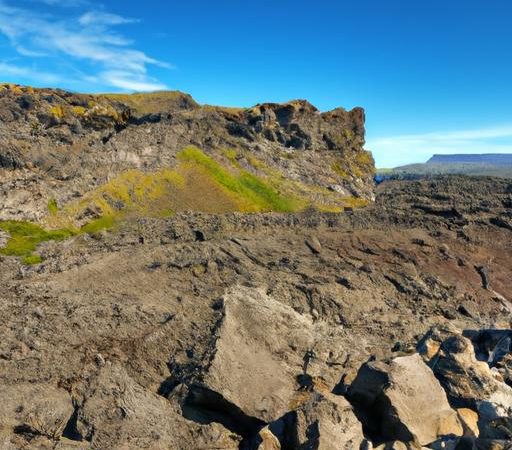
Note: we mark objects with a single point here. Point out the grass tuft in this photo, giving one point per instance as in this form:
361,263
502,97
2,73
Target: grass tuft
53,208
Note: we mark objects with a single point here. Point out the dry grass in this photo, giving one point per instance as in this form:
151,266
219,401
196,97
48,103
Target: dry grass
148,103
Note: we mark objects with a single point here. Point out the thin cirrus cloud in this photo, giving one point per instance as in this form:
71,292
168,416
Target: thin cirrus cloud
398,150
103,18
63,3
23,72
88,40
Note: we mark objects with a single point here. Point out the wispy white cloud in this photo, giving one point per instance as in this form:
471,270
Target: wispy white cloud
27,72
103,18
90,37
63,3
131,81
398,150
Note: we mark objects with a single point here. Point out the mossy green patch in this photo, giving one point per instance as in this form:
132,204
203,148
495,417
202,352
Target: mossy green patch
57,111
53,208
99,224
359,165
24,237
252,193
32,259
199,182
232,155
337,167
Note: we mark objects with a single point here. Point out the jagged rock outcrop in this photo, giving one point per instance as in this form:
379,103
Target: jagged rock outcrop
61,145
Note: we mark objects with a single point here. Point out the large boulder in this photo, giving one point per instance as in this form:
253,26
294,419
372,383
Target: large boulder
465,379
249,368
34,409
402,400
121,414
469,382
323,422
263,359
495,348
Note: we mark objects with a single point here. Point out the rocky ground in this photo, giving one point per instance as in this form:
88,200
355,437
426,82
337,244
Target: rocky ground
386,327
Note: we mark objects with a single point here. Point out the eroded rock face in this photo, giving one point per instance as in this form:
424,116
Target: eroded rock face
71,143
402,400
322,422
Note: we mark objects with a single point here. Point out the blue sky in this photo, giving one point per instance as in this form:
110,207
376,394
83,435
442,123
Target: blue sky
434,76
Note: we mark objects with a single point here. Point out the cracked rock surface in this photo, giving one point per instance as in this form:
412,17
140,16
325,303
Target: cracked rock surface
252,338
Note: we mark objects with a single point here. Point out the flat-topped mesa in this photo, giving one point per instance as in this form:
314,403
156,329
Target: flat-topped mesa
476,158
70,144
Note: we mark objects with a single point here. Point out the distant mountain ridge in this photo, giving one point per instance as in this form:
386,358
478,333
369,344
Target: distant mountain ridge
481,164
483,158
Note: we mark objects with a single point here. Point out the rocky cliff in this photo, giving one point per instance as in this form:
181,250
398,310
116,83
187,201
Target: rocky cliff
57,146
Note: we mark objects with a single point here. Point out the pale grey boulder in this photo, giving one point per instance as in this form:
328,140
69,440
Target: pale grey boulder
402,400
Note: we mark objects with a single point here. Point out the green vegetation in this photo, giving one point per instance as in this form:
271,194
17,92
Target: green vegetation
338,168
99,224
249,191
79,110
360,165
24,237
198,183
32,259
232,155
364,160
53,208
57,111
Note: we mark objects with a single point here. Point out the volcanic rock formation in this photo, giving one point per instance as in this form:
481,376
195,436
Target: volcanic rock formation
177,276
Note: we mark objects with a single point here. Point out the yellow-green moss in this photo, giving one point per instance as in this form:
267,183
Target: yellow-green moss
232,155
355,202
13,87
79,110
57,111
254,162
199,182
252,193
359,165
99,224
338,167
32,259
24,237
53,208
